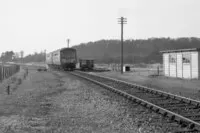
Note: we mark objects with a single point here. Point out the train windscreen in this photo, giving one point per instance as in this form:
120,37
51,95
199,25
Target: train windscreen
68,55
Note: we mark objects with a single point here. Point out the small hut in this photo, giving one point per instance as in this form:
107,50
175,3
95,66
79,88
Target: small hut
182,63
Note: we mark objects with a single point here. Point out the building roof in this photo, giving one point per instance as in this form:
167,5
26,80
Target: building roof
180,50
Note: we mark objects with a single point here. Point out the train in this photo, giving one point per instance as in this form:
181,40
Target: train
65,58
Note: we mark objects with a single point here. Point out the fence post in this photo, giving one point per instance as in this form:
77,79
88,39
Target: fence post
10,71
6,73
2,73
8,89
27,71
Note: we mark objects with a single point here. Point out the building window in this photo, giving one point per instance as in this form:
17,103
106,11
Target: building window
172,58
186,58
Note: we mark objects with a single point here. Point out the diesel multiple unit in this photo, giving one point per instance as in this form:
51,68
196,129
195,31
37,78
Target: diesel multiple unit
64,58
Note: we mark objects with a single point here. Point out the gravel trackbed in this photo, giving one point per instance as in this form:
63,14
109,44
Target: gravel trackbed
55,102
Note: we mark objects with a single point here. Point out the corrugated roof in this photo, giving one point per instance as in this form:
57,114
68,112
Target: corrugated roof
180,50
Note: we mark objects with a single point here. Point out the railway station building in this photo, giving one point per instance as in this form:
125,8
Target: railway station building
182,63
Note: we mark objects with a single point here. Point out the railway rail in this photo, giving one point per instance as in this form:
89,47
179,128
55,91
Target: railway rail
184,111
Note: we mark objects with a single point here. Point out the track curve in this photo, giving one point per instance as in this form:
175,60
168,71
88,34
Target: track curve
179,109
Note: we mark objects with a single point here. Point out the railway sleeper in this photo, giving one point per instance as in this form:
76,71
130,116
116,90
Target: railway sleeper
170,102
177,109
181,121
157,97
131,91
147,98
195,119
172,117
187,131
169,105
190,110
191,115
179,106
165,101
142,92
185,100
154,100
185,112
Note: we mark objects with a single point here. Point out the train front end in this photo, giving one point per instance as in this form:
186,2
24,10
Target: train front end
68,58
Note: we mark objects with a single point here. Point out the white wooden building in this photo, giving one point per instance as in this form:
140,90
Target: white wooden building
182,63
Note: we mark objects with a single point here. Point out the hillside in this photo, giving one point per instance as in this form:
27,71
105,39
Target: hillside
135,51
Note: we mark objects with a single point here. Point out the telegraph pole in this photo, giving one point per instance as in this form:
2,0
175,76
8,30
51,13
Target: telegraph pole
68,42
122,21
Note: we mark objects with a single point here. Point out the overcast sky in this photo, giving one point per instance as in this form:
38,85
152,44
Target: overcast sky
35,25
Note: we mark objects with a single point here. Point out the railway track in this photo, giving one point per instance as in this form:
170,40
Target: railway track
184,111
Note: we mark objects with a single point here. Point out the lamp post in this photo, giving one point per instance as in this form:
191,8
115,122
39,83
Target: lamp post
122,21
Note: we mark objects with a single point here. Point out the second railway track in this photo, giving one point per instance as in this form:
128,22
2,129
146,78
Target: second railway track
182,110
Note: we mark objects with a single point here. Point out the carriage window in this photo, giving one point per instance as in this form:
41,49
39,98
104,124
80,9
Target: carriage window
172,58
186,58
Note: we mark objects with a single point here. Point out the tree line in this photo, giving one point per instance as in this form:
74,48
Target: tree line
10,56
108,51
135,51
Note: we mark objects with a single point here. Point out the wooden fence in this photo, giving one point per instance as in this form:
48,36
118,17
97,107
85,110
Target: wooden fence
8,70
